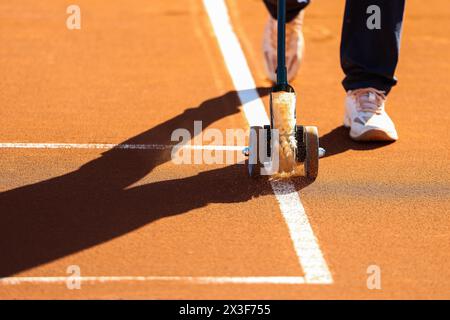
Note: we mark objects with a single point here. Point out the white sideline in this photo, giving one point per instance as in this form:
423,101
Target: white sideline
236,63
193,280
305,243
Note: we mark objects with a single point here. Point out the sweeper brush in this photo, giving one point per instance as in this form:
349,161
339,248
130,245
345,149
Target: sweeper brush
278,149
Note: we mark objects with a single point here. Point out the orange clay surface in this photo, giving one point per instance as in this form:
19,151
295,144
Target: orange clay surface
136,71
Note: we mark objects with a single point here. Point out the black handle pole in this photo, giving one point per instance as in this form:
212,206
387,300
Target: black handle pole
281,47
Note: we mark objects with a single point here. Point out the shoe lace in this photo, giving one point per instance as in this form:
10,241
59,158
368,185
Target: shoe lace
369,100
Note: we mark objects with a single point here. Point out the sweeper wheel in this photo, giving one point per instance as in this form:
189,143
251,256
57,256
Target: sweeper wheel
253,162
311,143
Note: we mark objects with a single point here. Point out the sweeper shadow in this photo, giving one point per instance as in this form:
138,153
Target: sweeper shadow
51,219
337,141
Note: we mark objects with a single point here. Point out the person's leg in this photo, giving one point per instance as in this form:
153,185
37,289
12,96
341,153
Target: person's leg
293,8
369,56
294,37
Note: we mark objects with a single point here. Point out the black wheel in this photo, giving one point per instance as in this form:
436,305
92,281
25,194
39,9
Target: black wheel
268,141
300,138
253,162
311,139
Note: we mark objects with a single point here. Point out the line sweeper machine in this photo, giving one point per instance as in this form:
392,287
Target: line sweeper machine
294,144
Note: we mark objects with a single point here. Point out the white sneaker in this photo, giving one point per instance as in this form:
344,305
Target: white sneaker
294,46
366,117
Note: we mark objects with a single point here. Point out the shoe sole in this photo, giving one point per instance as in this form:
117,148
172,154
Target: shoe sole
371,135
374,135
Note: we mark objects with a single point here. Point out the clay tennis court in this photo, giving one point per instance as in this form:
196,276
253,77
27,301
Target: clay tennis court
139,226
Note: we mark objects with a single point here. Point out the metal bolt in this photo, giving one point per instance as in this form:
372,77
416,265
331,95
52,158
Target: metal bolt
321,152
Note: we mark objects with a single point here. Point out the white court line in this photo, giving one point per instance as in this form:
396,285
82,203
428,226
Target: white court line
20,145
236,63
305,243
193,280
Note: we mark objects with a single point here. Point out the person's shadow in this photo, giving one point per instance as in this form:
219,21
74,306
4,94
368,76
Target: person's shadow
338,141
51,219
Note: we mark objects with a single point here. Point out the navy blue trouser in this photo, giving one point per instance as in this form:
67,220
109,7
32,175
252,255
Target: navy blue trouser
368,56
